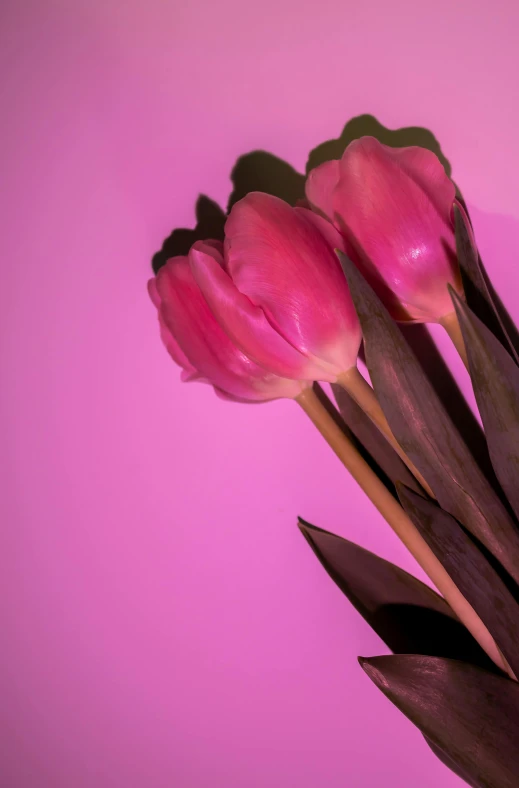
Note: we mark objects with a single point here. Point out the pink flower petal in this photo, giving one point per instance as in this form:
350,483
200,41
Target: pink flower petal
424,167
221,394
243,322
330,234
406,247
278,258
169,341
320,184
153,294
209,350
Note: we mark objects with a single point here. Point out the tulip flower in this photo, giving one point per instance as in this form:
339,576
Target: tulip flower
394,210
278,291
267,311
275,295
199,345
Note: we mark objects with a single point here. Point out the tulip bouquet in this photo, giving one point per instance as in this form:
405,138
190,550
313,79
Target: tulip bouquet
282,304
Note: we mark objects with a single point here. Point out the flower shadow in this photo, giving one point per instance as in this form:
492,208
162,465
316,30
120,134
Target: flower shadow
262,171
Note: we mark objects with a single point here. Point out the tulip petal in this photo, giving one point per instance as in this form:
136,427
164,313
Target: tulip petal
400,224
331,235
425,168
245,323
169,341
319,187
278,258
221,394
153,292
209,350
176,352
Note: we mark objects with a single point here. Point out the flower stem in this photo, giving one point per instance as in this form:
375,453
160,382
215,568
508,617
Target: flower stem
391,510
451,325
360,390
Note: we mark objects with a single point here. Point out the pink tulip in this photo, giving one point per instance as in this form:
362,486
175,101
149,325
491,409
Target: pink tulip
393,208
278,291
199,345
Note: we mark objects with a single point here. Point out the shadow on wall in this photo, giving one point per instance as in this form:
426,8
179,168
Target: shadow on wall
264,172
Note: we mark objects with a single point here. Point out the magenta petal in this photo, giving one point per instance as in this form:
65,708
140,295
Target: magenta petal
245,323
152,291
402,238
205,344
169,341
320,184
174,349
330,234
221,394
279,259
424,167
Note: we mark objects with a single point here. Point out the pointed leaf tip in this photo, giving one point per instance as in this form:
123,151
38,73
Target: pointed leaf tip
369,668
346,263
406,614
470,714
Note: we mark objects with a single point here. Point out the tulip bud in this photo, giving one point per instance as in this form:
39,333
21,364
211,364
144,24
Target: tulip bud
394,210
278,290
198,344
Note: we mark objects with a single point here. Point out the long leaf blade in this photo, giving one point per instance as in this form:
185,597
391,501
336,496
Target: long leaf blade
409,616
470,714
470,570
425,431
475,285
495,379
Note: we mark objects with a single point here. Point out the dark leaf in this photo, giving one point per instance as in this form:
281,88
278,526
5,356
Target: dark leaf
406,614
470,714
495,379
469,569
409,616
419,338
425,431
477,292
451,764
371,439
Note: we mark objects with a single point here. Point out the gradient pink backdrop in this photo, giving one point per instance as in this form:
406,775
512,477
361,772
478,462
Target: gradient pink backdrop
165,624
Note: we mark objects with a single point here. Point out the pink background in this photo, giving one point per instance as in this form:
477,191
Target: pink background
165,624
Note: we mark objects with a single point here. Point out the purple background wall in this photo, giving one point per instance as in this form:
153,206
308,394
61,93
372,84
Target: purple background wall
164,622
